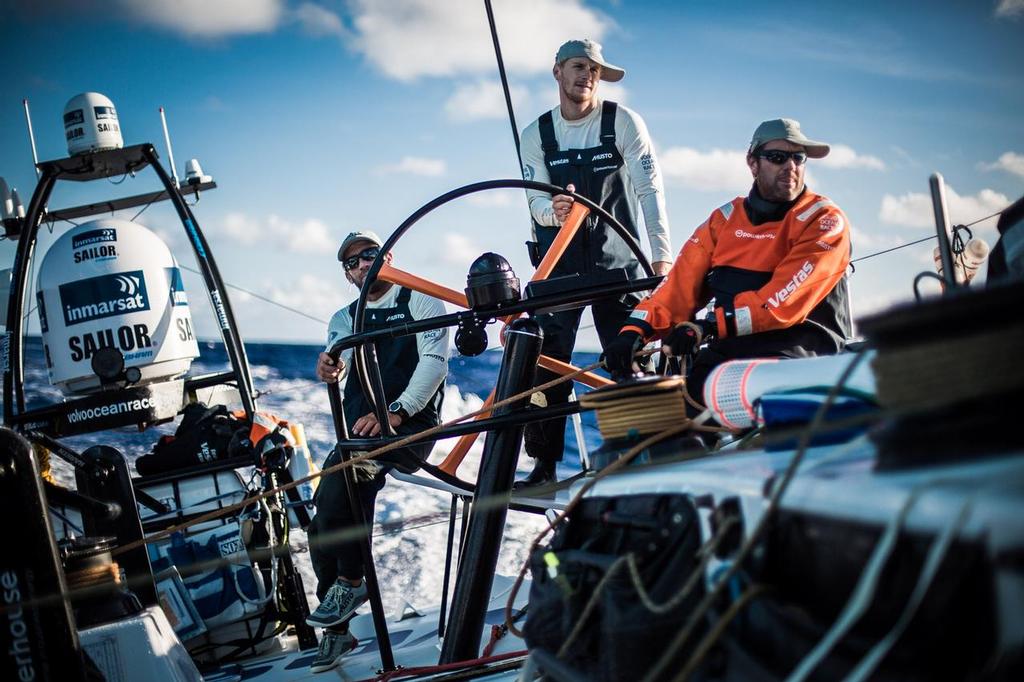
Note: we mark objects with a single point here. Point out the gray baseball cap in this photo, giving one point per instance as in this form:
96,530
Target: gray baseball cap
787,129
592,51
361,236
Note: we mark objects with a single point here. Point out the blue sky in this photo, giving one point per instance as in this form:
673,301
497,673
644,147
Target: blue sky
317,118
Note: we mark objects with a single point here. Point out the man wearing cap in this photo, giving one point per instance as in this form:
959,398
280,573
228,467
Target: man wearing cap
413,369
774,262
602,151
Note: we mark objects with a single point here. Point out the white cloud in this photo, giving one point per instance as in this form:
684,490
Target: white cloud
483,99
842,156
915,209
415,165
315,296
276,233
497,198
407,39
1010,8
205,19
458,250
1011,162
616,92
718,169
318,21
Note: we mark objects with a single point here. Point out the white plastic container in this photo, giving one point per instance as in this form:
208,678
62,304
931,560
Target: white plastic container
112,283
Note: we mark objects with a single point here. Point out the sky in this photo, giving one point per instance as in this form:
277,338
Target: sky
317,118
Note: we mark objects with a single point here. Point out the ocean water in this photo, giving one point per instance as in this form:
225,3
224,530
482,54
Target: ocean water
411,522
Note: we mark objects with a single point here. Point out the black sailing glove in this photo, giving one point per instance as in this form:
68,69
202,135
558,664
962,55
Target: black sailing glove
684,339
618,355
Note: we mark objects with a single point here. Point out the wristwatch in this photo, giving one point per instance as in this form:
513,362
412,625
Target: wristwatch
396,408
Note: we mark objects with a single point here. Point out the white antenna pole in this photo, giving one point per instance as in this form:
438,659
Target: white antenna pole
170,154
31,138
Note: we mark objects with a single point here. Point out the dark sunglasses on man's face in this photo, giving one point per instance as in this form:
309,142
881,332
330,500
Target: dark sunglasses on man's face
352,262
779,157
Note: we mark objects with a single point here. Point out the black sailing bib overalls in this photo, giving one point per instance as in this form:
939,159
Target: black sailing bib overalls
397,358
598,173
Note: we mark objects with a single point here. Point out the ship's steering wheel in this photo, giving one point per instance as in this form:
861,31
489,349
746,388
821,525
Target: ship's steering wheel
581,208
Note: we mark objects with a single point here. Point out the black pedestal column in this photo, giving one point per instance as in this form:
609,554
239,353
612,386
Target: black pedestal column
490,506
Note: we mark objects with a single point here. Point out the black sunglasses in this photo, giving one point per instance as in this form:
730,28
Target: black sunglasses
352,262
779,157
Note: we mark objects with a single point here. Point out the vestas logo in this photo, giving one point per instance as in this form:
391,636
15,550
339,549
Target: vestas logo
106,234
104,296
799,278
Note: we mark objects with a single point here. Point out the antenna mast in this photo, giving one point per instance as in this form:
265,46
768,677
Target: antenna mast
32,137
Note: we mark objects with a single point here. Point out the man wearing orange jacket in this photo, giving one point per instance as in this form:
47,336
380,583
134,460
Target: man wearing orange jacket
774,262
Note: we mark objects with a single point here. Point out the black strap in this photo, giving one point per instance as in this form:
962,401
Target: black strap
404,295
608,110
546,124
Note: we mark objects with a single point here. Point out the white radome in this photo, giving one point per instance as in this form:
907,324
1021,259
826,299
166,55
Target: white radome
112,283
90,124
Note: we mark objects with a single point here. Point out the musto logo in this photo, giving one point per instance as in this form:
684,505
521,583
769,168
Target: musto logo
104,296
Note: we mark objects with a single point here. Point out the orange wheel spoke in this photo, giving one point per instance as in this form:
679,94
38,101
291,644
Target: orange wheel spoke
572,224
422,285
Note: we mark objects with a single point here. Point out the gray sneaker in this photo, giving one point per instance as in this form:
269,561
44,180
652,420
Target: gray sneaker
333,646
338,605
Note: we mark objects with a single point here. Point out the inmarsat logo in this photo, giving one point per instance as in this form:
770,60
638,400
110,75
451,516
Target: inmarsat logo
104,296
90,237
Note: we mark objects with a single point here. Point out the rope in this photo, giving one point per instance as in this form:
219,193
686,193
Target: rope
702,650
922,375
261,297
401,443
626,458
755,535
924,239
629,560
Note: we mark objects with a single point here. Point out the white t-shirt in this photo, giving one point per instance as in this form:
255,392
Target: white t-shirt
432,346
644,184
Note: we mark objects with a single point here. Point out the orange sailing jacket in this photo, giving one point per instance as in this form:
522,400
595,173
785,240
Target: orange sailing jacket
787,274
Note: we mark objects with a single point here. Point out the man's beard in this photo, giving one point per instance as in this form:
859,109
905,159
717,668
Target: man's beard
379,286
772,192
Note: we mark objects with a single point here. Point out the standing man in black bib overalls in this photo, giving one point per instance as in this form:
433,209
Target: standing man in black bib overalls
601,150
413,369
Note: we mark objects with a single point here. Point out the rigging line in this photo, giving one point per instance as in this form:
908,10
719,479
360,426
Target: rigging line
504,81
262,298
895,248
999,212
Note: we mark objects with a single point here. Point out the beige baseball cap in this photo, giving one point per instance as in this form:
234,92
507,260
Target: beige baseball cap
591,50
361,236
787,129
